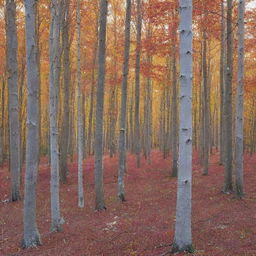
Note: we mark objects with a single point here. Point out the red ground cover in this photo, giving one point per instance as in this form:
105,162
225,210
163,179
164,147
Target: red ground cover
144,225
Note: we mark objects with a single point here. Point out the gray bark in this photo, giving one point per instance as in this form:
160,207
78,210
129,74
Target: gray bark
183,235
240,102
222,56
31,237
175,125
228,186
206,124
12,72
79,112
98,172
137,84
67,77
54,52
123,115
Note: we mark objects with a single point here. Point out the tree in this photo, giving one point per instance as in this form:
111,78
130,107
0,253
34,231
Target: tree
55,54
228,186
174,106
31,237
222,100
12,71
123,115
137,83
240,102
98,172
79,112
183,235
67,77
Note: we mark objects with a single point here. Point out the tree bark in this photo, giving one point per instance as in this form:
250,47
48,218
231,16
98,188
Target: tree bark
12,71
31,237
183,235
240,102
55,54
175,124
222,100
79,112
123,115
137,84
206,123
67,77
98,172
228,185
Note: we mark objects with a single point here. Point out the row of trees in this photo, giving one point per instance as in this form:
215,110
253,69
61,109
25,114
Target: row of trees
148,53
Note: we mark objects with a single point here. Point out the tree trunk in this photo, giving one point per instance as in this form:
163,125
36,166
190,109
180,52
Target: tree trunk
91,112
183,236
2,156
122,135
55,54
79,112
67,78
31,237
228,186
222,100
175,124
137,84
12,71
98,172
206,124
240,101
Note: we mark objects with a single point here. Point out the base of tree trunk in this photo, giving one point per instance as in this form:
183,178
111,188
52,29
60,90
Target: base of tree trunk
121,197
102,208
15,197
174,172
188,248
228,189
57,225
31,242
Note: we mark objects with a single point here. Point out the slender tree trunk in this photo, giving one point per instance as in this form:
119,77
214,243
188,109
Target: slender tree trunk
122,135
79,112
91,112
183,235
2,125
55,53
222,101
67,77
137,83
31,237
240,101
12,71
228,186
206,124
98,172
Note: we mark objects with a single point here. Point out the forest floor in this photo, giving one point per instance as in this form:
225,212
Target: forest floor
144,224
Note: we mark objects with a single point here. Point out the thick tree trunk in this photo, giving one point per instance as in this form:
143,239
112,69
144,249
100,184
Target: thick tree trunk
228,186
67,77
12,71
240,102
175,123
55,53
98,172
79,112
183,236
31,237
137,84
122,135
